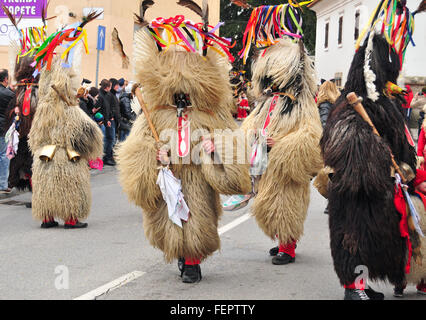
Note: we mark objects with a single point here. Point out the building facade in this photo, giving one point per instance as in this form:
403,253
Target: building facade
118,14
339,23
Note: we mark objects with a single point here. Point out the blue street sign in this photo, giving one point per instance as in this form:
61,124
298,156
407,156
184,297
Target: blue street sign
101,38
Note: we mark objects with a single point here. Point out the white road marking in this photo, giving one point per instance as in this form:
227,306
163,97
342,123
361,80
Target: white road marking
115,284
234,223
92,295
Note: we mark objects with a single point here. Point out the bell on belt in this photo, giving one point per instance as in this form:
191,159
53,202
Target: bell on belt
47,153
73,155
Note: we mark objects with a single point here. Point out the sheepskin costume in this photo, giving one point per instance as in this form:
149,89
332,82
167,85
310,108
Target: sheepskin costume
364,223
367,208
162,74
283,191
61,188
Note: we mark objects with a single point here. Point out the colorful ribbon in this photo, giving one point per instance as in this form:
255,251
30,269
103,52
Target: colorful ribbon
268,24
397,26
190,36
68,38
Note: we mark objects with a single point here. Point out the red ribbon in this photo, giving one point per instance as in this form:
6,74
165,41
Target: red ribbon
401,207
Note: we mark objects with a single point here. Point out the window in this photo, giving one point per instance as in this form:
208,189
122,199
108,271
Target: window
340,36
327,29
357,20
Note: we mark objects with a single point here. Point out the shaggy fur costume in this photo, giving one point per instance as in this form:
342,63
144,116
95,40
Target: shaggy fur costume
61,188
281,204
364,224
20,166
206,80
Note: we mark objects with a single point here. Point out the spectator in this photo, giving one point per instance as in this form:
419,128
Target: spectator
327,96
407,105
243,107
82,95
115,104
105,106
127,114
419,102
6,95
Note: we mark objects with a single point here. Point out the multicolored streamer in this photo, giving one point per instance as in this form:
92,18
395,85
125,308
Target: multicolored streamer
31,39
268,24
396,24
191,36
67,38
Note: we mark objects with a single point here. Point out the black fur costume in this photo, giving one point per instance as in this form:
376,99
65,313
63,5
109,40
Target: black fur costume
20,165
363,221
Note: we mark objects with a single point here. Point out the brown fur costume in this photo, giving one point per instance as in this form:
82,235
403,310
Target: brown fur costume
61,188
206,80
281,204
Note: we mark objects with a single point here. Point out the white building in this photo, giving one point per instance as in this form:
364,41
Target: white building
339,22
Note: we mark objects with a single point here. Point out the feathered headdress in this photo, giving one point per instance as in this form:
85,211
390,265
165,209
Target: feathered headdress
67,38
395,22
268,24
193,37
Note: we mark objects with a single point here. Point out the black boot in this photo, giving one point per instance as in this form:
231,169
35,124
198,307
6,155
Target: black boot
355,294
274,251
28,205
181,264
78,225
282,258
374,295
191,274
50,224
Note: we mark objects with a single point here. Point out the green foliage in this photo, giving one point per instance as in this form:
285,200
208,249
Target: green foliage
236,19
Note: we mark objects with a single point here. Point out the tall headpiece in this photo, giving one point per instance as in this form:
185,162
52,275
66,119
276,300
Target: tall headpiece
192,37
67,38
395,22
268,24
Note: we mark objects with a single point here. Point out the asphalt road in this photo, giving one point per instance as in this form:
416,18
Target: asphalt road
68,264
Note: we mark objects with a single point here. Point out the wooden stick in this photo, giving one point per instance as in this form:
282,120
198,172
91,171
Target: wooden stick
355,102
138,94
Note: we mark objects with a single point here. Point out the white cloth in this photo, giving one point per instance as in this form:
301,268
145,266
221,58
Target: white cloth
171,188
12,140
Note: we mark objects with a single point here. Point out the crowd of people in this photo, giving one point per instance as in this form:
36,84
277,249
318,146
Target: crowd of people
114,108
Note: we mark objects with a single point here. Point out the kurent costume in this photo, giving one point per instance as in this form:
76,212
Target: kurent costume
183,69
21,110
62,138
283,84
367,203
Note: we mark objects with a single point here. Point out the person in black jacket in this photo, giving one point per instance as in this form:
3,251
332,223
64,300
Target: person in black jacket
327,95
105,105
127,114
6,95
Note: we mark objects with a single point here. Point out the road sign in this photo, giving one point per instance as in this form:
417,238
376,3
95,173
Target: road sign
101,38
